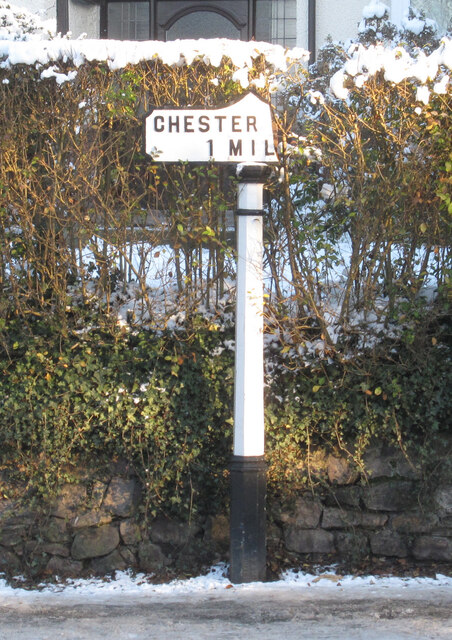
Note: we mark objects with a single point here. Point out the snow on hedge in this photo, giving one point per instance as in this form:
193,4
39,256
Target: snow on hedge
364,62
25,39
119,54
398,65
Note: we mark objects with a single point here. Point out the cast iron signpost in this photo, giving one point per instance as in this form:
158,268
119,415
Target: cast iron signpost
240,133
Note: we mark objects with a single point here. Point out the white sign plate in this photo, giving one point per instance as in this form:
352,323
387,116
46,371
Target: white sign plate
240,132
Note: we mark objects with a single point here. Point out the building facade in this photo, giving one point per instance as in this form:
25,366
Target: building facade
303,23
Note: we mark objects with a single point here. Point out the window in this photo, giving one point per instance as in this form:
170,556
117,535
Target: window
269,20
128,20
284,23
202,24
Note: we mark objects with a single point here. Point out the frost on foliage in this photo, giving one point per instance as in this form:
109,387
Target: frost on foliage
18,24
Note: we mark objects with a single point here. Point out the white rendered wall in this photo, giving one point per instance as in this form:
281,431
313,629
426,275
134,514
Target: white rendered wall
338,18
302,24
84,19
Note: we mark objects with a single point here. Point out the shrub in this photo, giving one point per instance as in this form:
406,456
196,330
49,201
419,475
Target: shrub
161,401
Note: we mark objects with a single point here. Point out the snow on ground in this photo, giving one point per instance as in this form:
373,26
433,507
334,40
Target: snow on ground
126,585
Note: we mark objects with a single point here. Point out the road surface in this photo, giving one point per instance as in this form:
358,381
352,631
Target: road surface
226,612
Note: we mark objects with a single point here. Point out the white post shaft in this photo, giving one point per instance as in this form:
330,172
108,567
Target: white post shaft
249,359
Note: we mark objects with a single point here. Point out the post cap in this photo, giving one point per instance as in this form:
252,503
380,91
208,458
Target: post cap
256,173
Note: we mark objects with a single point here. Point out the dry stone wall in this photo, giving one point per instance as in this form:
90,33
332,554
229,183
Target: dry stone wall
95,526
391,510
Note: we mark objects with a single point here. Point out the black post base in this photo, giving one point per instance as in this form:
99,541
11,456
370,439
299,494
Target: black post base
248,519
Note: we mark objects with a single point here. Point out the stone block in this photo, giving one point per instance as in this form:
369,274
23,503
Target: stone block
64,567
97,494
15,514
443,499
388,543
55,549
407,468
71,499
31,548
340,471
128,556
95,542
93,518
353,545
55,530
130,532
346,496
121,497
218,530
9,561
308,540
335,518
165,531
377,463
433,548
305,514
11,536
385,461
389,495
414,522
108,564
441,531
151,557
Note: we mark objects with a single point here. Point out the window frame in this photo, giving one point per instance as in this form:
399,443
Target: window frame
247,31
